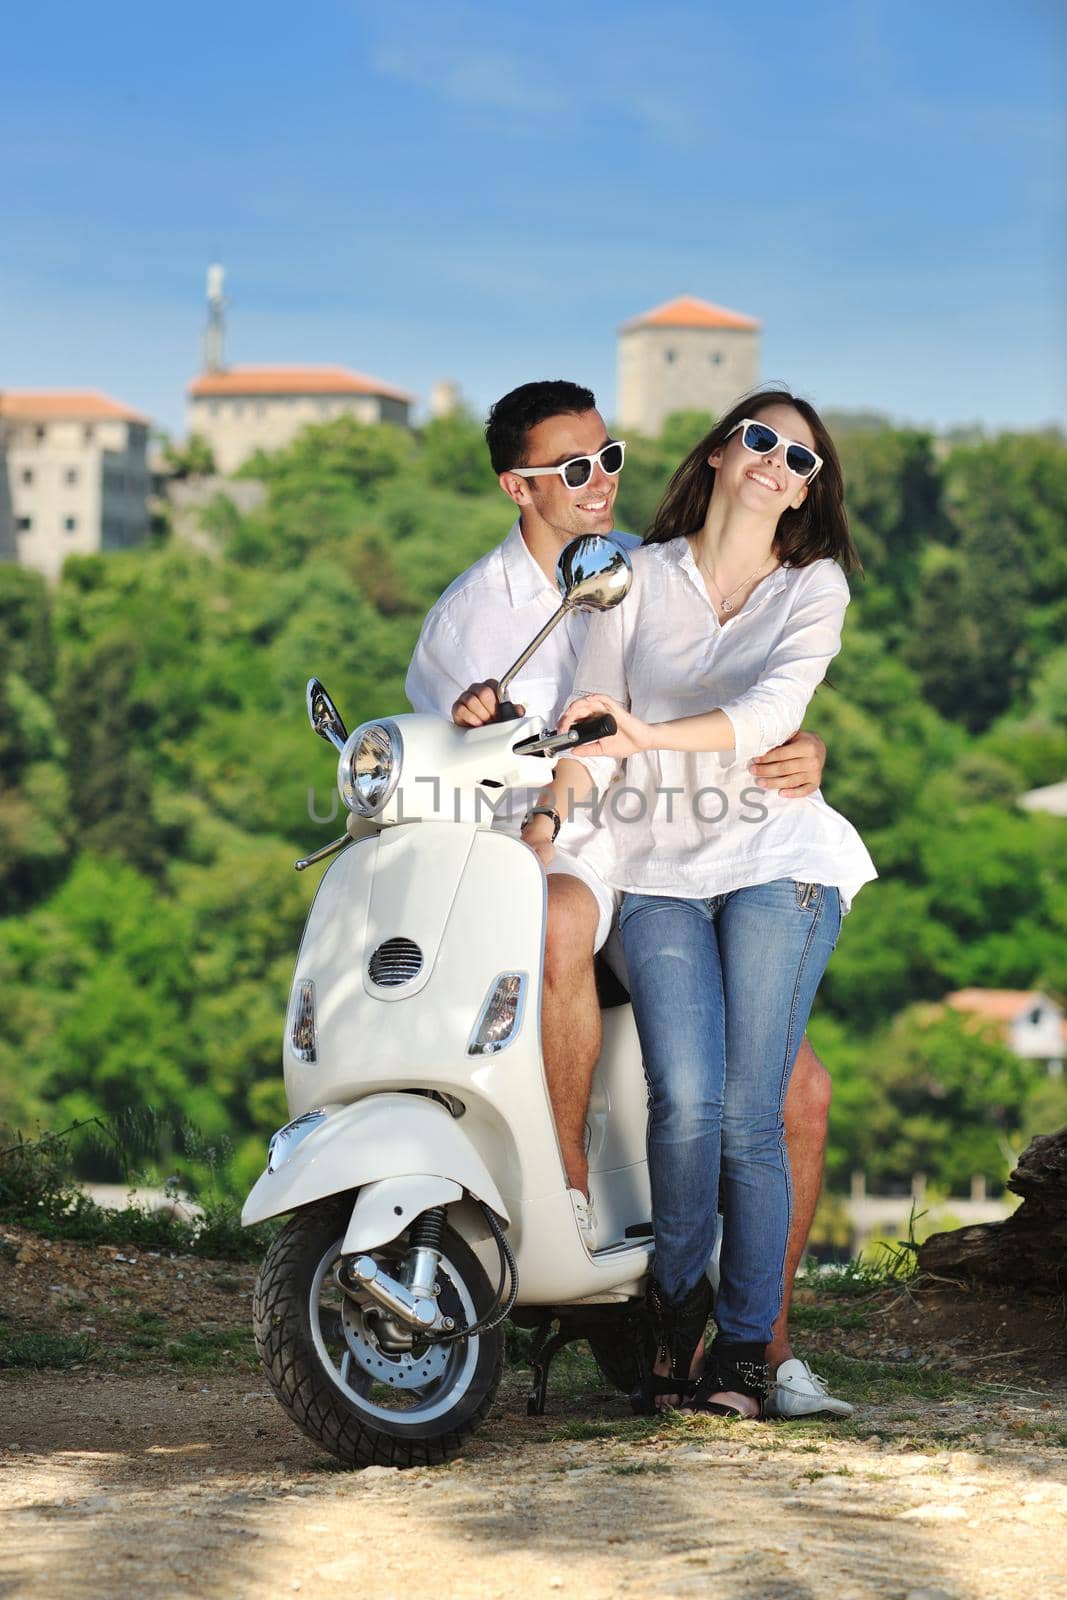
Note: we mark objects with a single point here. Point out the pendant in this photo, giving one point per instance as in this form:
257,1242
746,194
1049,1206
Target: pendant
728,605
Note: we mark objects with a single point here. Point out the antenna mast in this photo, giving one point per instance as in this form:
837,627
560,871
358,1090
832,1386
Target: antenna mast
215,331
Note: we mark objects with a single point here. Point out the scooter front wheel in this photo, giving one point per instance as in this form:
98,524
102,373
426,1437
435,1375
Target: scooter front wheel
365,1398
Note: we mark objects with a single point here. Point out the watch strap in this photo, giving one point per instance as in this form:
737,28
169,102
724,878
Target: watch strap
545,811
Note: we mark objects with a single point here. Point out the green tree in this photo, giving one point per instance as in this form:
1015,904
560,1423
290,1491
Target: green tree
934,1096
193,459
453,455
103,718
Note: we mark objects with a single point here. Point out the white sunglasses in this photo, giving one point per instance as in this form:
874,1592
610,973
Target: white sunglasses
761,439
579,469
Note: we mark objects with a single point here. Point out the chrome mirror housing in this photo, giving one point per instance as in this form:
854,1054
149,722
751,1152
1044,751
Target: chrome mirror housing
593,573
324,715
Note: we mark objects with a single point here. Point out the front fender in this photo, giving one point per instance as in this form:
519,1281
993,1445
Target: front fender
384,1136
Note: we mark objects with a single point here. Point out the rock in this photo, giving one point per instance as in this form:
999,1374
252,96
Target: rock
370,1475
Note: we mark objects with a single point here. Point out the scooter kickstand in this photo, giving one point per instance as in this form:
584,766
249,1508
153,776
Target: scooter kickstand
541,1359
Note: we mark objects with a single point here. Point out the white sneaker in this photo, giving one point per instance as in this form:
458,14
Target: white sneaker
799,1392
585,1216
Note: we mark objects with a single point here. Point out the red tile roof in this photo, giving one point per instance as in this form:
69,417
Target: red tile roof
689,312
291,380
1000,1005
64,405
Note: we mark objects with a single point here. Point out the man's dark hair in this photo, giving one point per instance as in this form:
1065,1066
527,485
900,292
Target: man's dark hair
511,419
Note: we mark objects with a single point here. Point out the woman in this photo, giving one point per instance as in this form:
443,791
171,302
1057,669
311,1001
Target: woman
733,897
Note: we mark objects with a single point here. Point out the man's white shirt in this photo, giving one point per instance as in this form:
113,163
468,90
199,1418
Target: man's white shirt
481,624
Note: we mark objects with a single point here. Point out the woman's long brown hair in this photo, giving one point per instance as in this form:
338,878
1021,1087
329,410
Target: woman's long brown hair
816,529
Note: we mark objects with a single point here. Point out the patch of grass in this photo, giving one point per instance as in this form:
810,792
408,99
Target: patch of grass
624,1429
226,1283
833,1317
38,1350
630,1469
38,1191
216,1348
890,1266
880,1383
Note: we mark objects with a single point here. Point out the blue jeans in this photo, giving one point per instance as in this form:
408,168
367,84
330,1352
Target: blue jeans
721,990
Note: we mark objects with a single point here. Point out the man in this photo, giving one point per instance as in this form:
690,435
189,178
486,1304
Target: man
559,466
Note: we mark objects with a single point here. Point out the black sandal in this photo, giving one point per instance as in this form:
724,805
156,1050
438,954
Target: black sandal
732,1369
678,1327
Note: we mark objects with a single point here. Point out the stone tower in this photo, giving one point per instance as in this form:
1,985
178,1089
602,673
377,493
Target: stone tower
686,355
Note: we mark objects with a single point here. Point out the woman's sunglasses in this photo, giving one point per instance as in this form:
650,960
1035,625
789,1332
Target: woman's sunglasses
579,469
761,439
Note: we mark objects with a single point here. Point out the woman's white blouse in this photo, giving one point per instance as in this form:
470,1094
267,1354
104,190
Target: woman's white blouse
695,825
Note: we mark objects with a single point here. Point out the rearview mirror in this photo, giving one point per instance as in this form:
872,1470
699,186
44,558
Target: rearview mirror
324,715
593,574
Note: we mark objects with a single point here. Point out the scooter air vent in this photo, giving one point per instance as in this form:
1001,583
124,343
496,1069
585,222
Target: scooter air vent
395,962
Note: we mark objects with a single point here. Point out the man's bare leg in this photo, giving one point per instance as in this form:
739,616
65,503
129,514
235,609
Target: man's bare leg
807,1104
570,1017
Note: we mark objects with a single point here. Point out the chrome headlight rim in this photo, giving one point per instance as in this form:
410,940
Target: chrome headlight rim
346,775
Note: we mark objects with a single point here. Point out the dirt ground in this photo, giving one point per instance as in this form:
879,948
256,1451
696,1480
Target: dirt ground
157,1463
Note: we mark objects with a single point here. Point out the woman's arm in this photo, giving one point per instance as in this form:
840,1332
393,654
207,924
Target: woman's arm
760,718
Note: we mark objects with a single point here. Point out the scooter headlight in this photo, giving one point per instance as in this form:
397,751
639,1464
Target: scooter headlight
369,768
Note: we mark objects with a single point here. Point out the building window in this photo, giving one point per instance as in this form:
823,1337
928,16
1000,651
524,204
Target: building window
27,475
716,359
88,434
70,524
213,407
40,432
238,408
24,524
70,477
669,355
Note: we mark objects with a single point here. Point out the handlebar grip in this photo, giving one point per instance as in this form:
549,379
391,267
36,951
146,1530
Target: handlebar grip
589,729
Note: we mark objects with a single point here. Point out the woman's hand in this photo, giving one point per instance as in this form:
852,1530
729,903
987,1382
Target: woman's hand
633,734
793,768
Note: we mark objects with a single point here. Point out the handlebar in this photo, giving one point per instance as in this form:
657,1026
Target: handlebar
587,731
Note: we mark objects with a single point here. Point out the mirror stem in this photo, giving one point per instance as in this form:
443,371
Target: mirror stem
535,644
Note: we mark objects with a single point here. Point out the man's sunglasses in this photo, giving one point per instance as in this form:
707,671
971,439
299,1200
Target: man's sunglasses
579,469
761,439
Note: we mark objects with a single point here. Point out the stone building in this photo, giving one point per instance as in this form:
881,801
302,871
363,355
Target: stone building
73,476
686,355
239,410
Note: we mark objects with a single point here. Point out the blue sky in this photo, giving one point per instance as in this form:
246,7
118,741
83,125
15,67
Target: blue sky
484,192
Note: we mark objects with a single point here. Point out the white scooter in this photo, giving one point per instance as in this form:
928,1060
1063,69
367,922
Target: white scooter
422,1163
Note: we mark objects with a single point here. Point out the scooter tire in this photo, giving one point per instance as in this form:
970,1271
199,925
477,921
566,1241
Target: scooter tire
349,1426
624,1353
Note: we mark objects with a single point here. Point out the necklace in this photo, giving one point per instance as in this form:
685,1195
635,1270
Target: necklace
726,602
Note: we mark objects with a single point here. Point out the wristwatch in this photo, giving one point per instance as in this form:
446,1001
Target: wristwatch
543,811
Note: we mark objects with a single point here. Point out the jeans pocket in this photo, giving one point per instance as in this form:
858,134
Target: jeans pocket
808,895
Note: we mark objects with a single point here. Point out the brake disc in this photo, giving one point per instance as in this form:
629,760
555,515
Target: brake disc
402,1369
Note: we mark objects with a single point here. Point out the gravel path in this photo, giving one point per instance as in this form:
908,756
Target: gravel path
131,1485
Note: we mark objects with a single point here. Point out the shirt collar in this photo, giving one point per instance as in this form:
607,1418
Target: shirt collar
774,584
525,579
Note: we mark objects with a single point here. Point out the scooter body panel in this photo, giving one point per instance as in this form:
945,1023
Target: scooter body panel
381,1137
474,902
